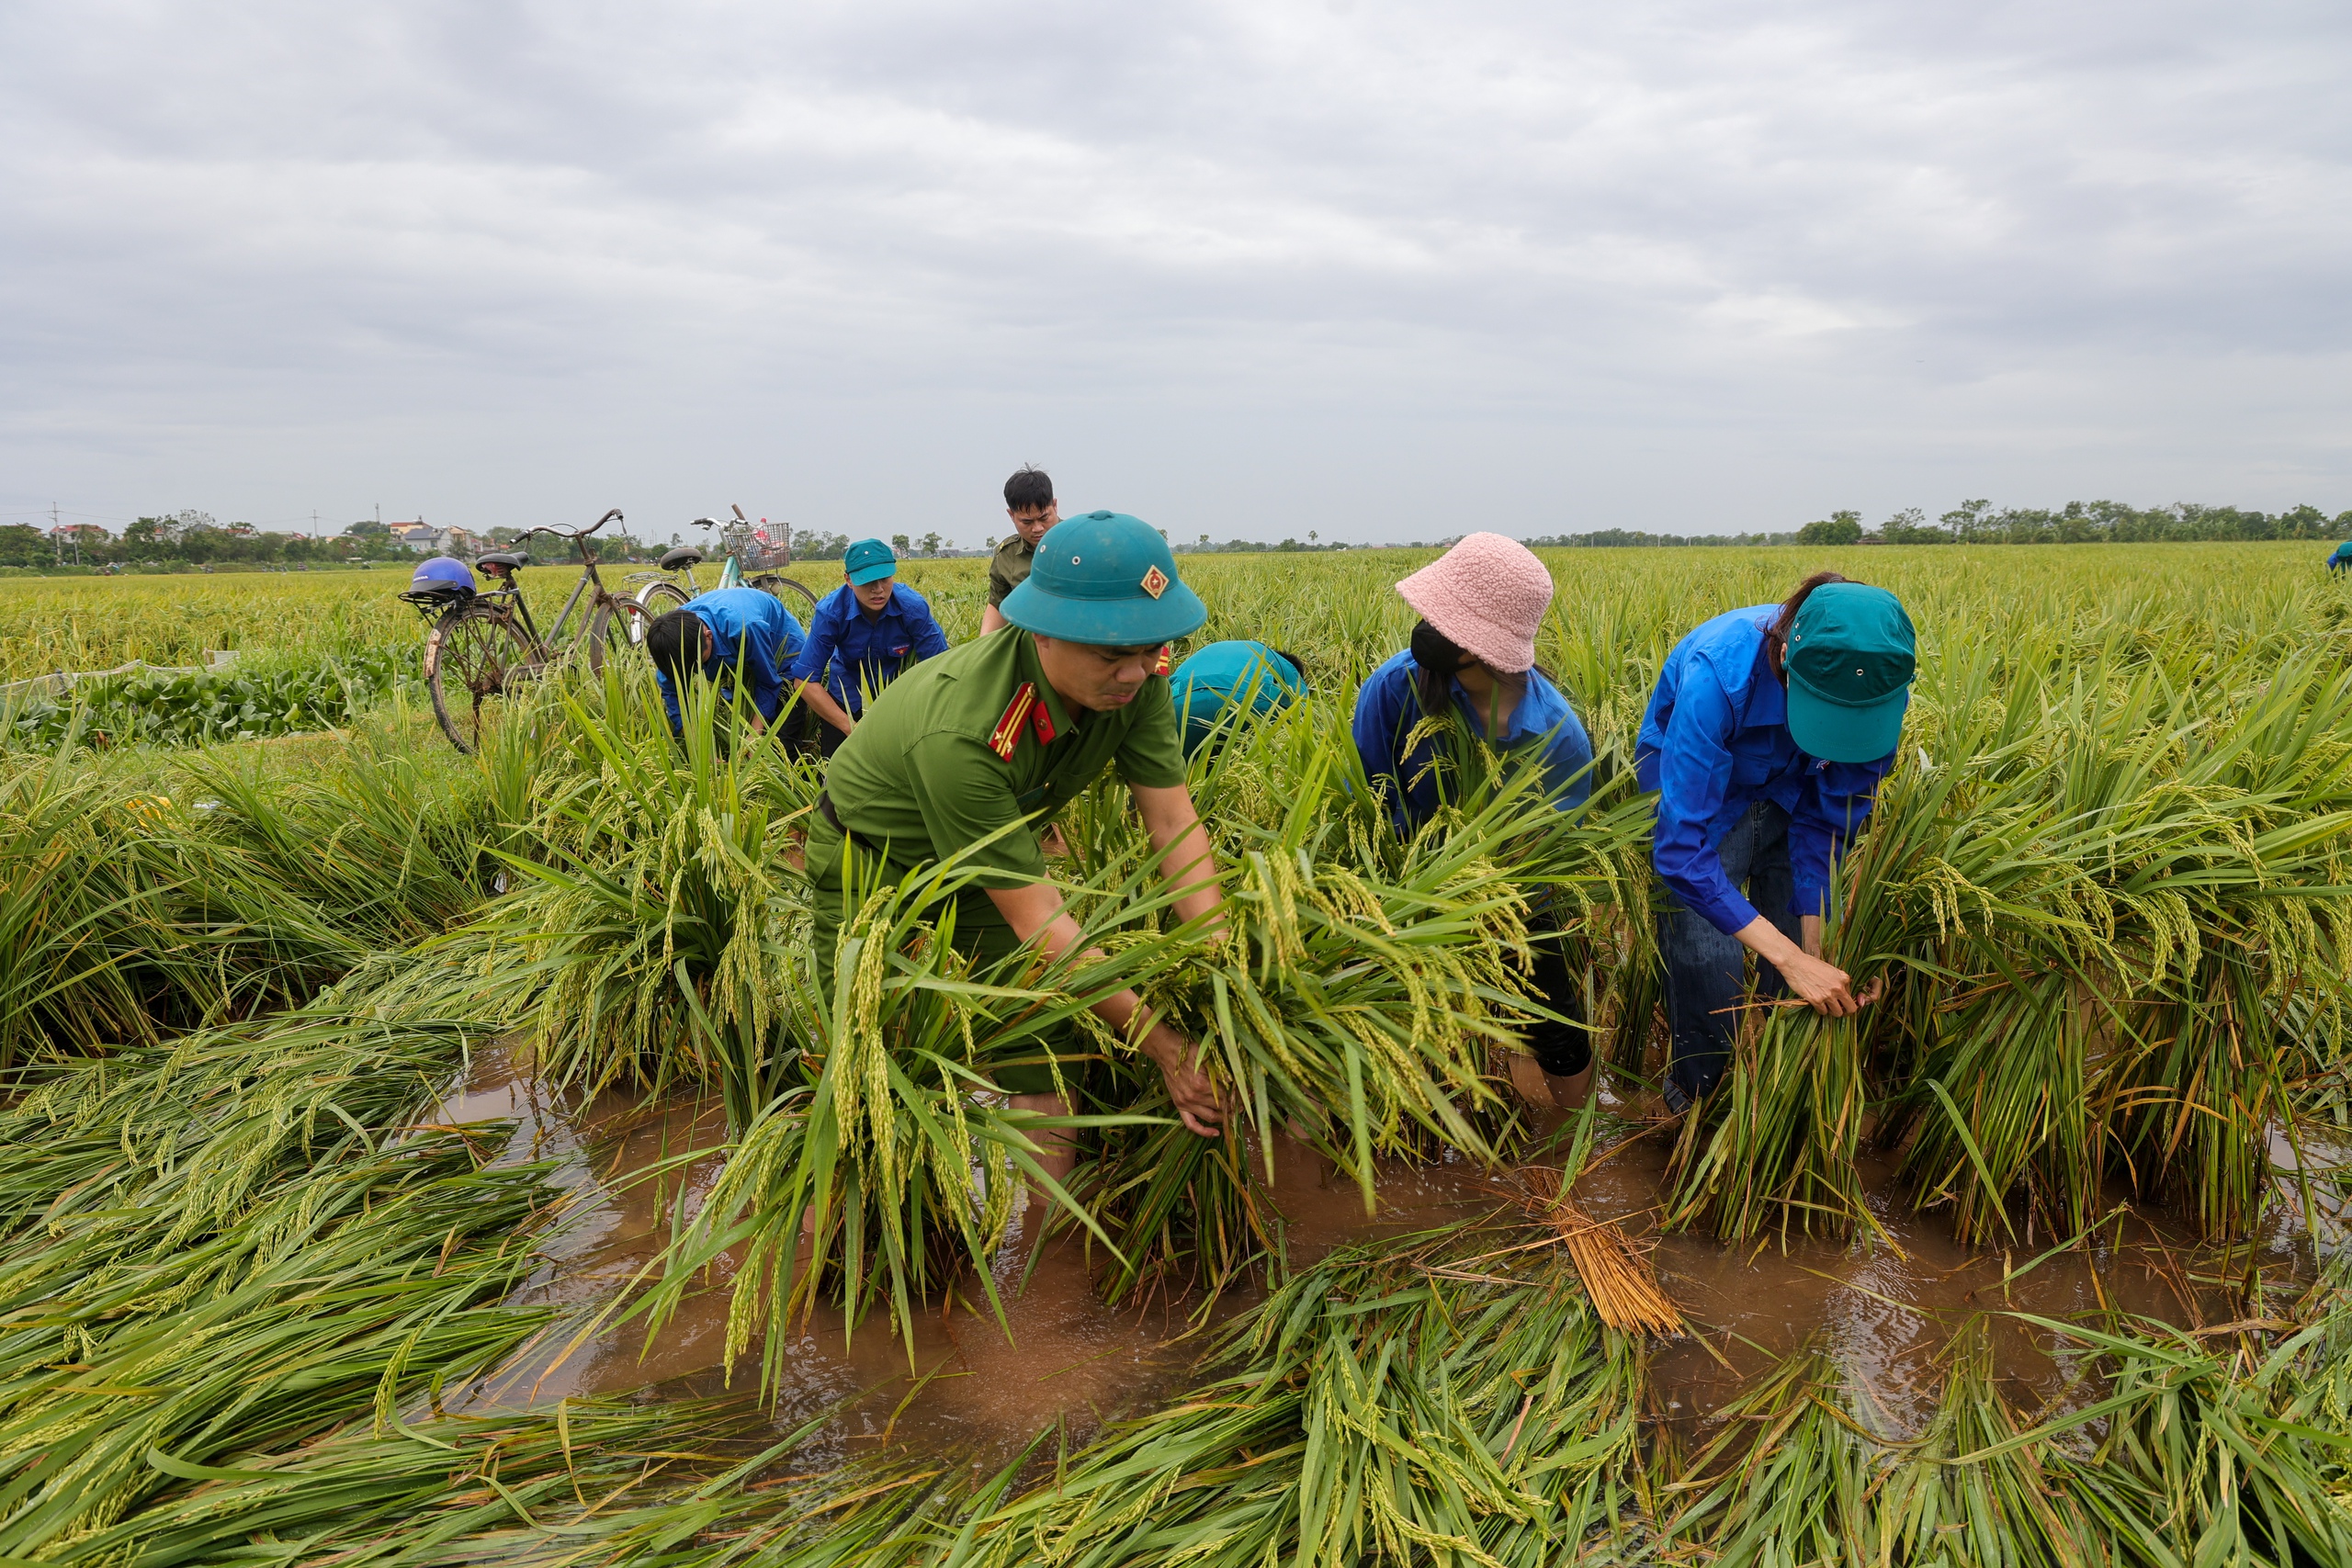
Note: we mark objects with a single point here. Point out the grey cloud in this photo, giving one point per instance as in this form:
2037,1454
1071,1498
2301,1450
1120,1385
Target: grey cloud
1682,266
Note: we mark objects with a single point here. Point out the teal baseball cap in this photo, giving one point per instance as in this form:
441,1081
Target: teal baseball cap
869,560
1851,658
1107,579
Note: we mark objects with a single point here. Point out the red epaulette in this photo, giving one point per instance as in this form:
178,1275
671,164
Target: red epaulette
1166,658
1023,709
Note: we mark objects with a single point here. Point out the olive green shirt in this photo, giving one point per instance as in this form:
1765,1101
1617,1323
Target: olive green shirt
919,773
1009,568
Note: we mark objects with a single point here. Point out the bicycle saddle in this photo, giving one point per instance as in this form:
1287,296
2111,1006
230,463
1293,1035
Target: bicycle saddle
508,558
680,556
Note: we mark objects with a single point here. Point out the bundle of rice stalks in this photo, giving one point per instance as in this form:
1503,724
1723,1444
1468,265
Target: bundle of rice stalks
1979,1486
1363,985
892,1150
143,1150
656,933
340,1293
2049,904
1617,1275
383,845
1442,1398
1787,1479
430,1490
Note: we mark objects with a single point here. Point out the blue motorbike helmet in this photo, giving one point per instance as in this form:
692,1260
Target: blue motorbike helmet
442,571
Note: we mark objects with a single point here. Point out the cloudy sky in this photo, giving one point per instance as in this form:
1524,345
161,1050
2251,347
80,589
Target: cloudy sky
1383,271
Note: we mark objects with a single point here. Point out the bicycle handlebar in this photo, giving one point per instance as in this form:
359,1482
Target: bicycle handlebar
611,517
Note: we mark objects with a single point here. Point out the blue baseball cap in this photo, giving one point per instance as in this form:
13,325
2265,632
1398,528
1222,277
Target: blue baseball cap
1851,659
869,560
1107,579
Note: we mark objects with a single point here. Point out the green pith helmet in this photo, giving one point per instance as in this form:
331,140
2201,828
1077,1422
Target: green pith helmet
1850,658
1108,579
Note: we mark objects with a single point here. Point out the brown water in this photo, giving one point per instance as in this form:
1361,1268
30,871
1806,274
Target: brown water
1884,1311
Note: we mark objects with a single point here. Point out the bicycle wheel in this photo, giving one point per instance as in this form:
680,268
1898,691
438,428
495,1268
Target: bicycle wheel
658,599
618,626
796,597
475,652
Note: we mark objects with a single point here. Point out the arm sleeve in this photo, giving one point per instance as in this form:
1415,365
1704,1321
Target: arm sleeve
670,701
764,648
817,653
998,586
1151,753
963,794
1692,767
1826,815
929,640
1377,738
1567,759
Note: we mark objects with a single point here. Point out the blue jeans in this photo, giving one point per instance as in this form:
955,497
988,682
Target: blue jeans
1706,970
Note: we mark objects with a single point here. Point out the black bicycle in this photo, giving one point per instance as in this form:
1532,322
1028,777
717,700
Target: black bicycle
485,644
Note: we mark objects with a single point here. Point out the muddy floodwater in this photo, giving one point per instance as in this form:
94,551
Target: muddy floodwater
1884,1309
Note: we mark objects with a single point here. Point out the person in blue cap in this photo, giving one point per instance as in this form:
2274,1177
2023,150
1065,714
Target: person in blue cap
2342,558
1766,739
1221,676
975,752
864,635
724,632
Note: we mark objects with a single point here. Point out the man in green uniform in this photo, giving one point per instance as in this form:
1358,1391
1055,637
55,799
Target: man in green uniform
1029,502
1010,729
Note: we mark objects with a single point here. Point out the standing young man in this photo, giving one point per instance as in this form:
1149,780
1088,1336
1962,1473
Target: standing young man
995,738
1029,502
865,634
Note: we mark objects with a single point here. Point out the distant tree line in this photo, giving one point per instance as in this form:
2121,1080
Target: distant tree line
1252,547
1976,523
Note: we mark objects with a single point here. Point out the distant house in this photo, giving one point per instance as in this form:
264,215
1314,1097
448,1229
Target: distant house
79,533
417,536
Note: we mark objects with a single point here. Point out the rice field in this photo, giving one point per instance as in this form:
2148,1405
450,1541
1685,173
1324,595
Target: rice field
405,1157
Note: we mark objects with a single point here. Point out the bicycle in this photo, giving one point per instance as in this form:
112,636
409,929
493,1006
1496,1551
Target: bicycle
741,546
484,644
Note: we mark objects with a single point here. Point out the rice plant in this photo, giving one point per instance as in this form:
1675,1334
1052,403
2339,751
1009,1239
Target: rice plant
1438,1398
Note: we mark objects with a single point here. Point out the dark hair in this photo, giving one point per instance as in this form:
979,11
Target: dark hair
1296,663
1436,657
1776,636
1031,490
674,644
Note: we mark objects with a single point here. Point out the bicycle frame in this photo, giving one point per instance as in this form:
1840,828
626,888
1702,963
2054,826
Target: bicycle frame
589,577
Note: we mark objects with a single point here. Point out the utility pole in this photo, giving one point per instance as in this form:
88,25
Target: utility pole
53,539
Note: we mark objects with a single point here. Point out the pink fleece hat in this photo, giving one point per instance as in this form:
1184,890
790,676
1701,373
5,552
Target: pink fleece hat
1488,594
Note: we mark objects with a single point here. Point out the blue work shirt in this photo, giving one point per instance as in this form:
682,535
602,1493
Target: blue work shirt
1219,676
1389,705
853,654
753,626
1713,741
2342,555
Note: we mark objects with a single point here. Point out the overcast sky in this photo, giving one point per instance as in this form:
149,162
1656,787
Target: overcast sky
1381,271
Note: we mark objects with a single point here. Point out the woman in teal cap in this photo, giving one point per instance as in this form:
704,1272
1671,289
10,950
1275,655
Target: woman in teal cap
864,635
973,753
1766,739
1221,676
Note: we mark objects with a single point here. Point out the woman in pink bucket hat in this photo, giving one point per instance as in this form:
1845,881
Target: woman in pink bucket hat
1471,665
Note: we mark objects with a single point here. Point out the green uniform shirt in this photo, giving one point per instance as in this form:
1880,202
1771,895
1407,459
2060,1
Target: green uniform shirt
919,774
1009,568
